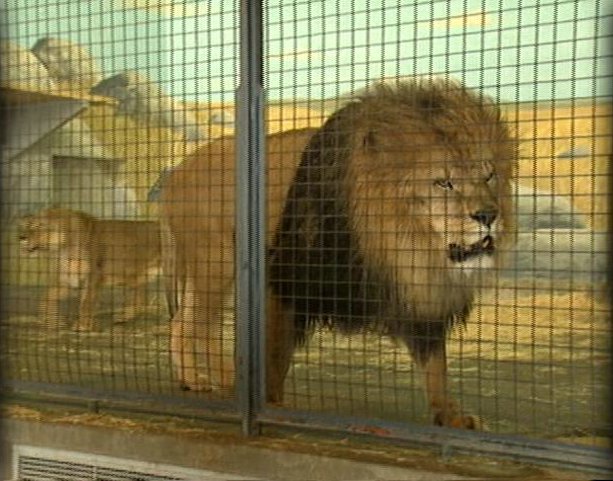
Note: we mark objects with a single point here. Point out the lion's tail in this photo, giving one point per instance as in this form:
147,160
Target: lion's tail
173,268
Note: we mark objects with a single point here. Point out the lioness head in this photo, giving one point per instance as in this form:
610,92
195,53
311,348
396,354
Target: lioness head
47,230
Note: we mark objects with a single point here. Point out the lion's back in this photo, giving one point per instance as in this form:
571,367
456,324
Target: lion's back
198,199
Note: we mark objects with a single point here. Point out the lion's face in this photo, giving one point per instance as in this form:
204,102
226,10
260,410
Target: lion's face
466,214
44,231
438,204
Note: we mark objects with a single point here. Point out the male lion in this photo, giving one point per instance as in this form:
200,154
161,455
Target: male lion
399,205
92,252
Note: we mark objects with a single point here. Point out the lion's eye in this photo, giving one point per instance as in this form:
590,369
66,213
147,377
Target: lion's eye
444,184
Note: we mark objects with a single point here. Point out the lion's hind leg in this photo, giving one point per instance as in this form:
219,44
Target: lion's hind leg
182,348
198,337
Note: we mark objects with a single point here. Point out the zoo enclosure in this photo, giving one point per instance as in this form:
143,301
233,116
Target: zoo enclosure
535,358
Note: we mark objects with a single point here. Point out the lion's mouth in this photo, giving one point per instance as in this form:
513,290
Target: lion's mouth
459,253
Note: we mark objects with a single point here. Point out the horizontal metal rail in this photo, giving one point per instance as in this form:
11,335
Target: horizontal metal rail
123,401
447,442
453,441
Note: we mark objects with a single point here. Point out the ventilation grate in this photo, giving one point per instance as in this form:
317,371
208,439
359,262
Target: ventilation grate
38,469
33,463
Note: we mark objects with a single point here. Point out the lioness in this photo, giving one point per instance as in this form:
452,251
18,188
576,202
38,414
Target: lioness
385,219
92,252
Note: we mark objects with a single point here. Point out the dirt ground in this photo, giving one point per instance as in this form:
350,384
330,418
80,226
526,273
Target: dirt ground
533,361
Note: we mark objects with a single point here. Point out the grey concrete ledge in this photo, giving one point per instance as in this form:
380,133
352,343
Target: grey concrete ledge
217,461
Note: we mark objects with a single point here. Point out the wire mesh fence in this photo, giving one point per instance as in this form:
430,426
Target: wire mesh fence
434,244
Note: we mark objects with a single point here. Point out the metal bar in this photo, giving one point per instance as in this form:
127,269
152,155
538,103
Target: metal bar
452,441
250,217
125,400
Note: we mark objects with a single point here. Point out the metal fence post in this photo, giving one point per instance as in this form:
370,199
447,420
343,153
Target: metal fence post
251,217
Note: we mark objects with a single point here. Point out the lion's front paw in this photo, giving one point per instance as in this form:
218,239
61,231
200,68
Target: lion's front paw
192,380
197,386
202,384
457,420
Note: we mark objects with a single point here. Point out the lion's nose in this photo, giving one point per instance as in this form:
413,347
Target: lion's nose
485,217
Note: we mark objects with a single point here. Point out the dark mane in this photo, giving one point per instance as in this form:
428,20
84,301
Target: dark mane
315,264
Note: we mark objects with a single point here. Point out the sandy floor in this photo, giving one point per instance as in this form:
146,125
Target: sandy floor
529,362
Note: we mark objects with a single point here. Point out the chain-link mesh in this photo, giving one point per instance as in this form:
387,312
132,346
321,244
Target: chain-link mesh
437,207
